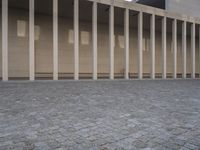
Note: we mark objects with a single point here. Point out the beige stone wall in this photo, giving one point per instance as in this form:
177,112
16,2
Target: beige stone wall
18,61
66,55
18,48
44,45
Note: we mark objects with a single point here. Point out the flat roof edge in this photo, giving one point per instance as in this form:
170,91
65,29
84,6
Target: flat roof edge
148,9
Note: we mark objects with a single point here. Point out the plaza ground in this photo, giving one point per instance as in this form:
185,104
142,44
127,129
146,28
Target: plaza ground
100,115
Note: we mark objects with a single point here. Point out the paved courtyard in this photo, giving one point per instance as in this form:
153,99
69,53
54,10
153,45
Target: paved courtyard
100,115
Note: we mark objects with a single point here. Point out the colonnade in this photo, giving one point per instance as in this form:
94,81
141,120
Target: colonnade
111,41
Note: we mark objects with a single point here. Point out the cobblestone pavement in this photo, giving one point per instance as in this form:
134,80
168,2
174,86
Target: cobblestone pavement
100,115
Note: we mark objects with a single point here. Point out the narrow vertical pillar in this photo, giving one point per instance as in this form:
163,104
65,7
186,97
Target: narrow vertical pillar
164,42
31,41
193,49
55,39
152,44
76,39
126,32
174,32
5,40
199,51
94,36
111,40
184,47
140,53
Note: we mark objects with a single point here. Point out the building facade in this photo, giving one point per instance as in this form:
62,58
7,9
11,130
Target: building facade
94,39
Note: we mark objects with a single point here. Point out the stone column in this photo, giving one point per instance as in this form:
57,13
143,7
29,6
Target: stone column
164,42
152,44
31,40
76,39
193,48
184,48
140,45
55,39
5,40
174,34
126,35
94,37
111,40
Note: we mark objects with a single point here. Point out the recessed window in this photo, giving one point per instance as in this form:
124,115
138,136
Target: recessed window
71,36
21,28
172,47
143,43
146,43
121,41
85,37
37,32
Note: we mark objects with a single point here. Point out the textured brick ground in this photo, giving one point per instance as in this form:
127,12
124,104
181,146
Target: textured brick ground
107,115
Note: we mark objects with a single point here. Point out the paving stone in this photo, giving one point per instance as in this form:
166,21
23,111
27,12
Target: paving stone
140,144
100,115
41,146
184,148
191,146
